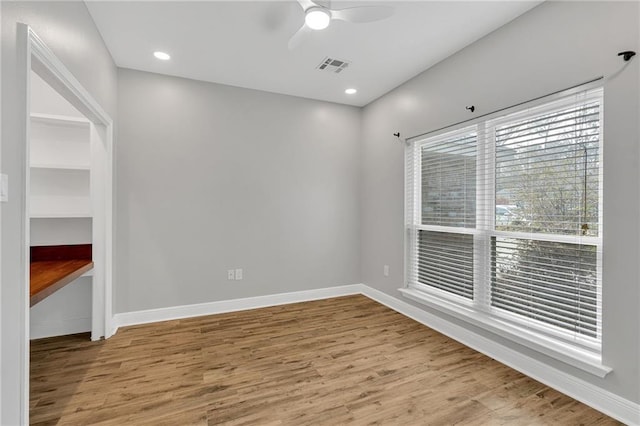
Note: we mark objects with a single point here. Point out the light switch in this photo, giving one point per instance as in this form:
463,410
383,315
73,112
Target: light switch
4,188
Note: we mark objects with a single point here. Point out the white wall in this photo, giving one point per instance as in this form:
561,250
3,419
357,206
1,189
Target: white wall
67,28
213,177
554,46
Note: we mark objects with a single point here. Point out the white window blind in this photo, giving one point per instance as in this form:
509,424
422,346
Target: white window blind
443,193
445,262
448,169
504,219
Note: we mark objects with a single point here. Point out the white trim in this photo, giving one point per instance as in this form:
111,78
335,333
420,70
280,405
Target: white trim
553,238
1,284
443,228
602,400
24,53
40,330
47,61
108,232
233,305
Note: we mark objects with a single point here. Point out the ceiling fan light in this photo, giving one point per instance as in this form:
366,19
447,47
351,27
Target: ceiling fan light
317,18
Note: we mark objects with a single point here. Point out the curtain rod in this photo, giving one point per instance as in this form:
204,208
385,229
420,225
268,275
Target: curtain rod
502,109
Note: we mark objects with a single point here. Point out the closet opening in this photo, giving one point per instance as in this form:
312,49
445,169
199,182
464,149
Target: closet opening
60,215
65,191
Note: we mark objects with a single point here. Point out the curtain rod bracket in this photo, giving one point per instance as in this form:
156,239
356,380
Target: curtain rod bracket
397,135
627,55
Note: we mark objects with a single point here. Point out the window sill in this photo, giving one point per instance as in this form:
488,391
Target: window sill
571,355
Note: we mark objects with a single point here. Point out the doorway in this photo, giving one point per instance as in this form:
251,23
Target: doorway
66,199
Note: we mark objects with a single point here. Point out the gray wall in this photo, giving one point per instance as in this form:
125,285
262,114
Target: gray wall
69,31
554,46
213,177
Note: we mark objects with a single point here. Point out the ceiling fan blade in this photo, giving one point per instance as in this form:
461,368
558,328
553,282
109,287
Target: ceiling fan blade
298,37
306,4
362,14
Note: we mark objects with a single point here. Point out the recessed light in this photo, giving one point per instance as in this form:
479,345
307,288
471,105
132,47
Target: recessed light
317,18
161,55
350,91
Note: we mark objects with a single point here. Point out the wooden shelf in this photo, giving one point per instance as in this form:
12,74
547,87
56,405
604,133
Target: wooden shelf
53,267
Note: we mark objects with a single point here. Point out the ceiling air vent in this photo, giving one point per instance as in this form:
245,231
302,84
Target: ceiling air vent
333,65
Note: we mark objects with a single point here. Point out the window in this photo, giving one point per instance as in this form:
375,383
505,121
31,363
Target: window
504,223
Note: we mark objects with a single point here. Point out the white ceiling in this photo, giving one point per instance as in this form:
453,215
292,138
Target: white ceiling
244,43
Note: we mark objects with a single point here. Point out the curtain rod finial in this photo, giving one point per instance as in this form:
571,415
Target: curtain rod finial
627,55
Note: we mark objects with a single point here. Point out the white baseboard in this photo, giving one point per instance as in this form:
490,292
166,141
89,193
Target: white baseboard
607,402
39,330
223,306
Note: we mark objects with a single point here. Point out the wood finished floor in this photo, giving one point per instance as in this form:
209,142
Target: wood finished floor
346,360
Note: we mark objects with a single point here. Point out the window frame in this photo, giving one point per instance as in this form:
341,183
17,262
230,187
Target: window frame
580,351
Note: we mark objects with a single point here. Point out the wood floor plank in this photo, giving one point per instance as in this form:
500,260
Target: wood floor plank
346,360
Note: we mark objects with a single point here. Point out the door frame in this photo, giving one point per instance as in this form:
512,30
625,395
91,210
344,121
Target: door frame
34,54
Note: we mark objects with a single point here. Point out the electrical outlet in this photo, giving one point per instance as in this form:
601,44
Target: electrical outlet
239,274
386,270
231,274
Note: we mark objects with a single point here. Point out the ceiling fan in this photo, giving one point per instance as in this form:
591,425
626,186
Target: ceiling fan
318,17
